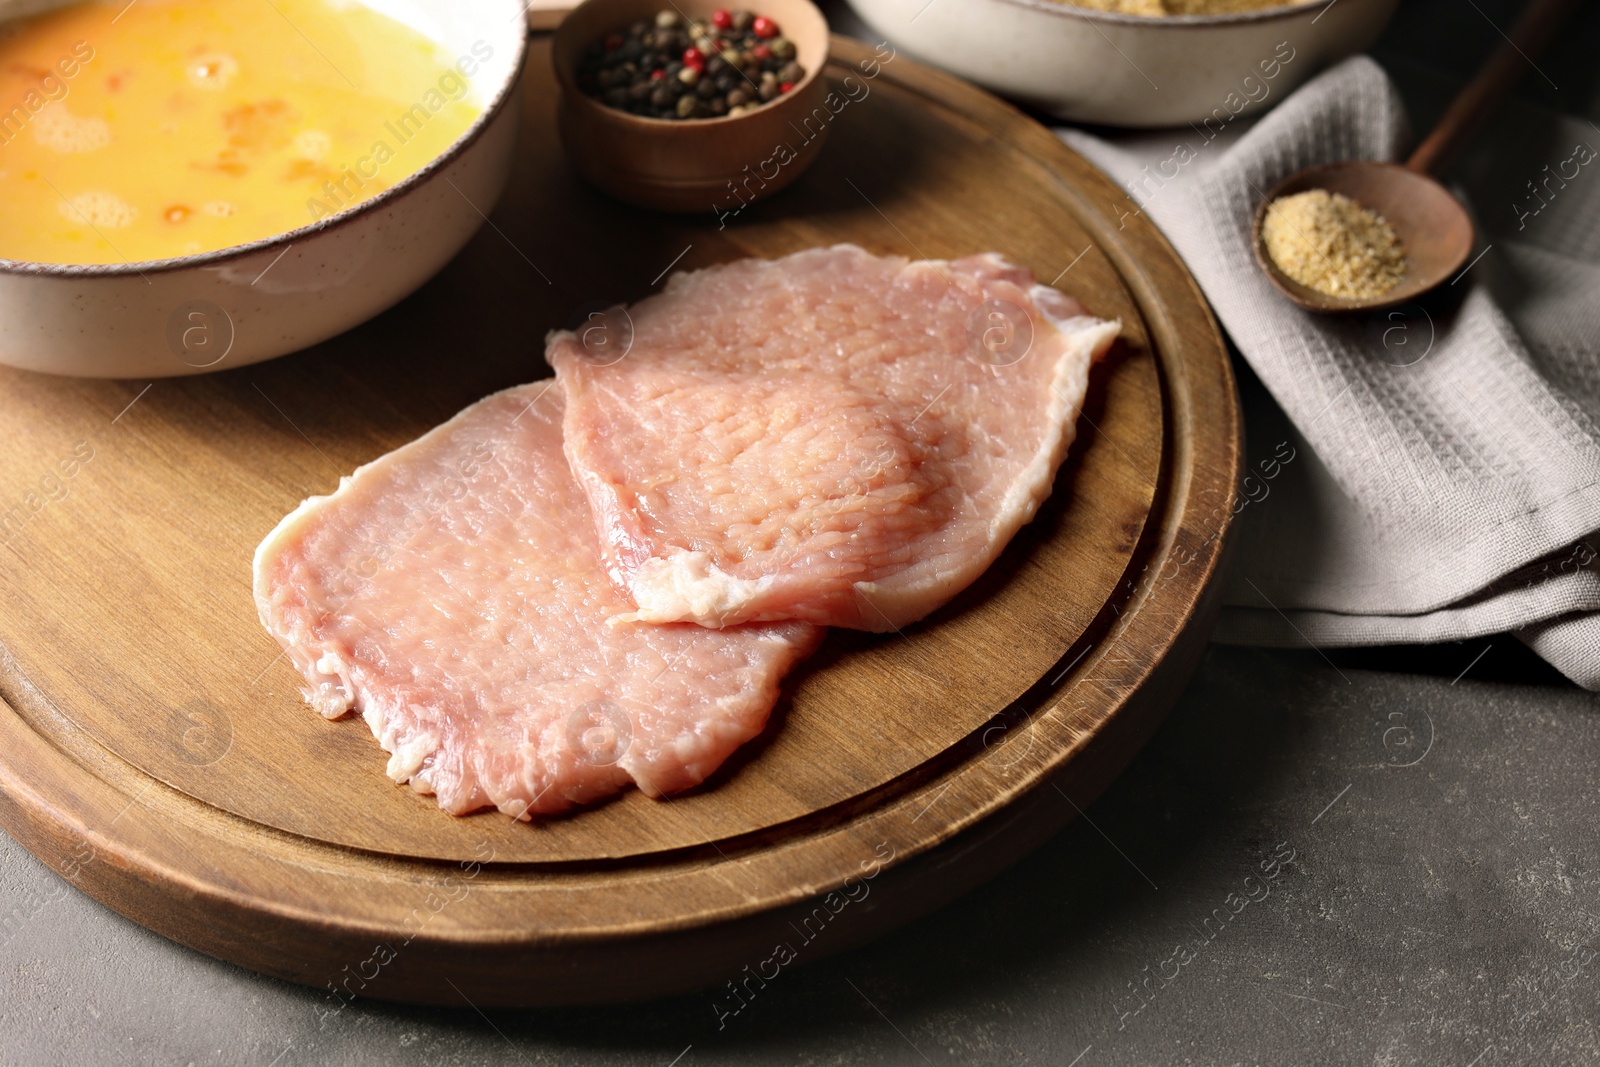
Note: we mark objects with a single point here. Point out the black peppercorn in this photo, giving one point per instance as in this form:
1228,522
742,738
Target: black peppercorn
669,67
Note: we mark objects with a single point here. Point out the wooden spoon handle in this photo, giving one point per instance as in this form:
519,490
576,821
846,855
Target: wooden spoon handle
1484,92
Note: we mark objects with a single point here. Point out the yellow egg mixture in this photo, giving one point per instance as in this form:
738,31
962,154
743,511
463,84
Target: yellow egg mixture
169,127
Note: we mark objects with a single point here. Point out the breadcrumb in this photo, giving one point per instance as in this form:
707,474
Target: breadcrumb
1328,242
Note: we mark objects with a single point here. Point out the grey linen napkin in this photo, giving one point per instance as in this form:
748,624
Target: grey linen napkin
1424,475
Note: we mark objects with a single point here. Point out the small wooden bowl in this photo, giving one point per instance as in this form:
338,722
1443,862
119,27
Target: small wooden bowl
694,165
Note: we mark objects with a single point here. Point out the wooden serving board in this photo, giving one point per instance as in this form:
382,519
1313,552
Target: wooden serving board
154,746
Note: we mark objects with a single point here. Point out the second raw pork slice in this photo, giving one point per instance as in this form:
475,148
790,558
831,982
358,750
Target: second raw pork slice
834,437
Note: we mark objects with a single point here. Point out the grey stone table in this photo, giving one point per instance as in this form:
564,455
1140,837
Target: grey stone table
1383,857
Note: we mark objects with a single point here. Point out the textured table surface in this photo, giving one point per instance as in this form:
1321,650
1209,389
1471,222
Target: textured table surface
1355,861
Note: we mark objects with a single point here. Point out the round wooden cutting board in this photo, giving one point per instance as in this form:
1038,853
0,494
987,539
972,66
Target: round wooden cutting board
154,747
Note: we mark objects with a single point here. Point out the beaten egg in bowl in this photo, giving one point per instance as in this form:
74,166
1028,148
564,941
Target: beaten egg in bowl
274,171
170,127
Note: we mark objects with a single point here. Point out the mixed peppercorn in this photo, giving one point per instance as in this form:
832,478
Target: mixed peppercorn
677,68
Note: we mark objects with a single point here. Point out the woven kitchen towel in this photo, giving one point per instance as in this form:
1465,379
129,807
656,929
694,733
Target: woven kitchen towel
1444,470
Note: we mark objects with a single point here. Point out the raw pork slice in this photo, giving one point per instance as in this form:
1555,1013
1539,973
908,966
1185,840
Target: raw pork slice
452,592
833,436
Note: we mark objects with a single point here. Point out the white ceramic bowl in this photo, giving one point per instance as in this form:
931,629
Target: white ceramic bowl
225,309
1126,70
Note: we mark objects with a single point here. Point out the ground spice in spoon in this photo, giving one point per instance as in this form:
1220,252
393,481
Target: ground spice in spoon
1328,242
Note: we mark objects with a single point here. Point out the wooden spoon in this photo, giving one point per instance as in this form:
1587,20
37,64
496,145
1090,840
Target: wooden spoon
1433,227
